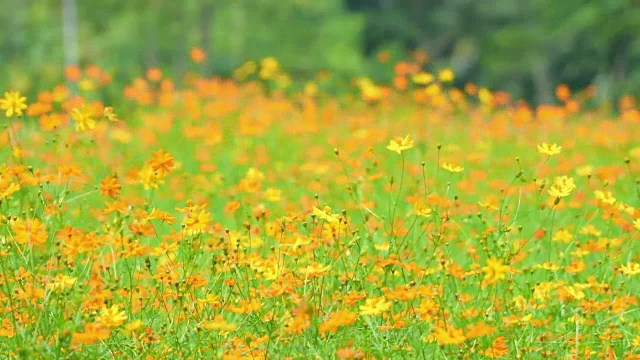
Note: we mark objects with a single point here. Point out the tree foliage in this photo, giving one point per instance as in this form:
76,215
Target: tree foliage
524,46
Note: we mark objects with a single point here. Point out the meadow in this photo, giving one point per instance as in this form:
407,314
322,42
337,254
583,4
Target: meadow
259,218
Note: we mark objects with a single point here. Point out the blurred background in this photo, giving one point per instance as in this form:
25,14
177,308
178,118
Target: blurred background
525,47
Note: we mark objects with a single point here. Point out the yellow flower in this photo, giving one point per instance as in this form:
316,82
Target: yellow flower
494,271
218,324
325,214
446,75
433,90
423,78
375,306
563,235
165,249
133,326
585,170
574,292
605,197
423,210
547,266
400,144
108,113
150,178
630,269
485,96
62,282
452,168
11,188
13,103
112,317
549,150
84,118
562,187
269,67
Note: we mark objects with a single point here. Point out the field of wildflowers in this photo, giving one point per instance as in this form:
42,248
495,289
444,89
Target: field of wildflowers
241,219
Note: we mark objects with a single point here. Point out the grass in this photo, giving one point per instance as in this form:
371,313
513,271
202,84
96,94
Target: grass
218,220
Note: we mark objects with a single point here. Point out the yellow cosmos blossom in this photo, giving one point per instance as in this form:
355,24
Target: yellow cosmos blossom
452,168
150,178
494,271
375,306
133,326
630,269
315,269
325,214
10,190
547,266
423,78
112,317
562,187
585,170
422,210
218,324
272,194
62,282
562,235
109,115
549,150
446,75
400,144
13,103
84,118
605,197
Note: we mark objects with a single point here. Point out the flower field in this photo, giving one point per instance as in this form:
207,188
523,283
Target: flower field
253,219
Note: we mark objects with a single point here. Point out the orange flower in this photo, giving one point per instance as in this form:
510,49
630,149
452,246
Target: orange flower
30,231
498,349
447,335
110,187
198,55
336,320
162,162
92,333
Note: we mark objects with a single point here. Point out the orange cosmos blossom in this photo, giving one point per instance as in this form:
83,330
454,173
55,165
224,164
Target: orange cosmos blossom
110,187
162,162
198,55
446,335
92,333
498,349
29,231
